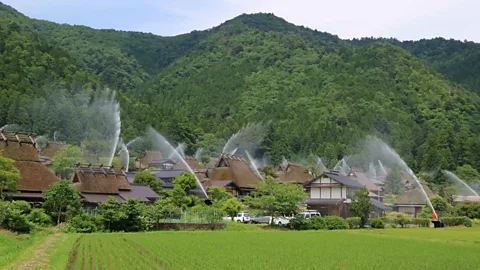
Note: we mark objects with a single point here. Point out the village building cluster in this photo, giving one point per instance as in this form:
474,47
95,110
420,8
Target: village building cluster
330,193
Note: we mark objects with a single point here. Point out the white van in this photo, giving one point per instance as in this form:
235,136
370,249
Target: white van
309,214
241,217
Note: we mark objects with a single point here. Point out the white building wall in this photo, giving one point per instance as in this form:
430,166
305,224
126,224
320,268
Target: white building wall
325,180
336,193
325,193
344,193
315,193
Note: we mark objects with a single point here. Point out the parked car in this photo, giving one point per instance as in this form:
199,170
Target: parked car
258,220
241,217
308,214
281,220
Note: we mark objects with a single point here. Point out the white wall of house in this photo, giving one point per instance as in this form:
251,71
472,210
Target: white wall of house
327,192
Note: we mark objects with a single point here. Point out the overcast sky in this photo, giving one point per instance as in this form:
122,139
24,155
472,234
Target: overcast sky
402,19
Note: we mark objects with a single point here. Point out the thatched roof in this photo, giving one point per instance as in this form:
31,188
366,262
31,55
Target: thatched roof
234,168
415,196
149,156
192,163
359,175
295,173
98,179
34,176
19,150
51,149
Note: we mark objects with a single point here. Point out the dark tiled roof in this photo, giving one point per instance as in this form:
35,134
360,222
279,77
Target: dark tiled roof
141,192
99,198
380,205
24,195
167,174
197,192
324,201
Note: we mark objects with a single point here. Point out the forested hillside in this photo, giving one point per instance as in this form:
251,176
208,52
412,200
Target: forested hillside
458,60
315,92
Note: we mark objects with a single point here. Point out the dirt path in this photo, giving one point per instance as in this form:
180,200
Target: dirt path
38,257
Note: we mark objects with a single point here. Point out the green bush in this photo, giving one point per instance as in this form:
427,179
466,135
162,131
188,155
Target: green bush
377,223
22,206
421,222
18,222
84,223
299,224
468,208
354,222
316,223
456,221
402,220
39,217
336,223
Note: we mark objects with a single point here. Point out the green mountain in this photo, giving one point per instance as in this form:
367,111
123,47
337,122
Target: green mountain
316,93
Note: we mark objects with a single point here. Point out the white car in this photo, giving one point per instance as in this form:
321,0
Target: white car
241,217
281,220
309,214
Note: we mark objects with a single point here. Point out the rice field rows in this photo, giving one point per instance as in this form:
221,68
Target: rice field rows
361,249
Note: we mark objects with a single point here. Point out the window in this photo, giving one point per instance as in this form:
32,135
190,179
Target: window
239,215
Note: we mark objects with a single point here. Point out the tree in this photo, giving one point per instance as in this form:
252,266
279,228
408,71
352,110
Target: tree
232,206
64,161
275,198
269,171
213,215
186,181
9,175
60,199
361,206
146,178
468,174
441,206
218,194
468,209
393,184
110,211
133,210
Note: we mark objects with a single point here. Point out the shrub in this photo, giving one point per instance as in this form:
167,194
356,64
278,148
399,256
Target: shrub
377,223
393,226
39,217
468,208
402,219
354,222
421,222
18,222
298,224
476,222
336,223
84,223
22,206
468,223
456,221
316,223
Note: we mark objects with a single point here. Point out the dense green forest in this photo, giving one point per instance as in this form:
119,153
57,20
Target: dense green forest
315,92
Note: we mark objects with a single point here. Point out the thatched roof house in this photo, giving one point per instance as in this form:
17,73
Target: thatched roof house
141,162
236,169
294,173
51,149
97,183
412,201
34,176
359,175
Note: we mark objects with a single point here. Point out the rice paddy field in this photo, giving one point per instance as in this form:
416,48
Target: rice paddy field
361,249
413,248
